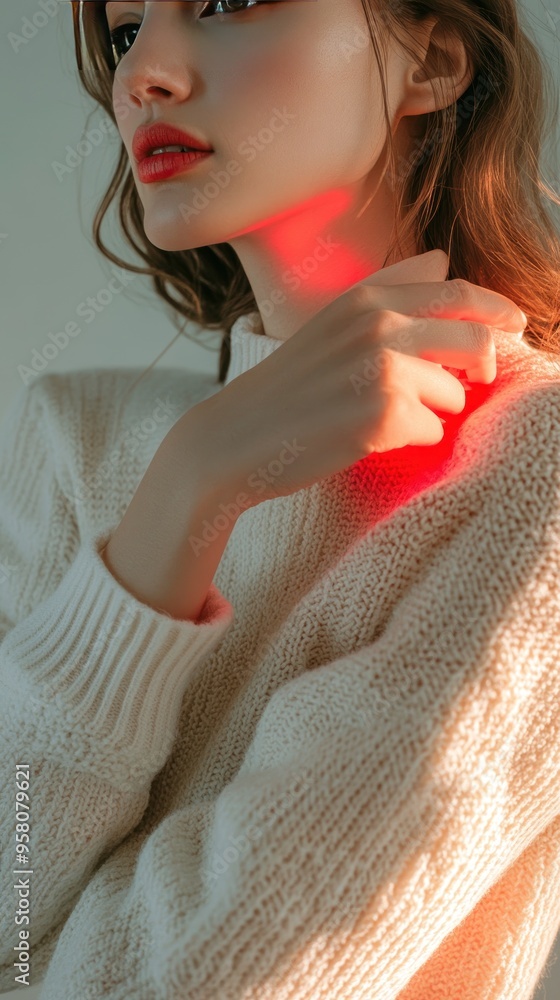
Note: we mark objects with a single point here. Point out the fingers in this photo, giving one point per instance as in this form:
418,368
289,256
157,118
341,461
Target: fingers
406,422
466,346
430,266
451,300
433,386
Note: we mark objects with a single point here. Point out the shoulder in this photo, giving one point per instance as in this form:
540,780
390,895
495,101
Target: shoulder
98,398
508,448
123,391
87,415
524,397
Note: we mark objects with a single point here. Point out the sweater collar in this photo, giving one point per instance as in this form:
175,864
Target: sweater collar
320,521
405,471
249,345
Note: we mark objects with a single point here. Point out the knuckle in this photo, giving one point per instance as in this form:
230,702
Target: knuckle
394,425
482,338
386,365
363,297
400,408
391,415
384,321
464,291
393,407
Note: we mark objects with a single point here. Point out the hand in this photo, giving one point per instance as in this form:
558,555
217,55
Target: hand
362,376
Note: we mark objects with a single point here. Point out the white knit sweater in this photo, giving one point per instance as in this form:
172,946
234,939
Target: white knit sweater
343,781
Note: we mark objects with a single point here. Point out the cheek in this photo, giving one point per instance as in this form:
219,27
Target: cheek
330,102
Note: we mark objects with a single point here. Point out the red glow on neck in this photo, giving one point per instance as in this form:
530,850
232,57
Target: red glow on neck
330,271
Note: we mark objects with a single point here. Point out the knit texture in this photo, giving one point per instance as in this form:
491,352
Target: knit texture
342,782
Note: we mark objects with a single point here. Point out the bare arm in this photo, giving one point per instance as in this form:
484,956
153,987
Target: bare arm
157,552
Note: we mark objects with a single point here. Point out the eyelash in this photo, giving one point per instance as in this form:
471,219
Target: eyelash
115,34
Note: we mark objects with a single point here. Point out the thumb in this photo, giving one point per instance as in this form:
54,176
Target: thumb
431,266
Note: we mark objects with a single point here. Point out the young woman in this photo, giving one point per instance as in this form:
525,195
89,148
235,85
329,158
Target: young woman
280,685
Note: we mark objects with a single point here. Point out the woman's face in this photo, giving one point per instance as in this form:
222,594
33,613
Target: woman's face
286,92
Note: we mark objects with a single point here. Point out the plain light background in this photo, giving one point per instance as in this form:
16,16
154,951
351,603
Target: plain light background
49,265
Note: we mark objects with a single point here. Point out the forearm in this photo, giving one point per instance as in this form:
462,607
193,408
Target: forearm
157,552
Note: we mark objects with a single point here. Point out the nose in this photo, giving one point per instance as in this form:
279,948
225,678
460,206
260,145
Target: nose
158,66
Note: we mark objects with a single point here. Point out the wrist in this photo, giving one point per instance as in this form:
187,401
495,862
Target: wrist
210,459
169,543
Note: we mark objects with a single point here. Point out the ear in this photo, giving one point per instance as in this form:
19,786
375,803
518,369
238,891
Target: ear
441,60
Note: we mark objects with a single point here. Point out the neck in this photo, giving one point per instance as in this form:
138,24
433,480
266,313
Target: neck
299,262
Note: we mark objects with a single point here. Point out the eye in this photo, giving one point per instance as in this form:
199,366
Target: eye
231,6
118,35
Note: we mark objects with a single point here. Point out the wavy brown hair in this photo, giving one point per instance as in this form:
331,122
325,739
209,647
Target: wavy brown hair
472,185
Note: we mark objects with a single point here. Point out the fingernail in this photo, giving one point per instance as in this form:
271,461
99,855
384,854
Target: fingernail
525,320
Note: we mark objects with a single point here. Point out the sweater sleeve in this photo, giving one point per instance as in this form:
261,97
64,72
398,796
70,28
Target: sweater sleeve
393,829
91,684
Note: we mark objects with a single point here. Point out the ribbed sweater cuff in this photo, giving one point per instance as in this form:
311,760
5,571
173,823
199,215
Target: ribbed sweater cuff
110,664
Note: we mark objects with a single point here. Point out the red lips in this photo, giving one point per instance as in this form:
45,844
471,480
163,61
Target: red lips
150,137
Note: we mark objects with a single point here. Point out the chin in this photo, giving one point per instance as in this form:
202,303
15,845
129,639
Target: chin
167,244
172,237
